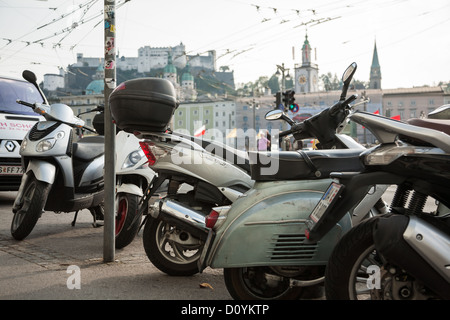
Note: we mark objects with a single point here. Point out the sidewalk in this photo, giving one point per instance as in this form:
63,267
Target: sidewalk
56,257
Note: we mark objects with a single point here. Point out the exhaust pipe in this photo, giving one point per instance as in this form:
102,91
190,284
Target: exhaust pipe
182,216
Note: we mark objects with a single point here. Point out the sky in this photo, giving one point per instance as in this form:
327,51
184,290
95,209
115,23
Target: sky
251,37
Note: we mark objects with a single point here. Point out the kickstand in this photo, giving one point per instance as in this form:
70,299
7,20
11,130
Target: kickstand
74,219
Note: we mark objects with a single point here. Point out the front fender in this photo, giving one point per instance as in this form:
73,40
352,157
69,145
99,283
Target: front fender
270,228
42,170
129,188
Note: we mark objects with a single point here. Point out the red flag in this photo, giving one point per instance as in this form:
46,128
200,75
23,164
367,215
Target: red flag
396,117
200,131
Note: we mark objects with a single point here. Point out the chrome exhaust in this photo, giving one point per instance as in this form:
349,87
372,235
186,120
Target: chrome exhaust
182,216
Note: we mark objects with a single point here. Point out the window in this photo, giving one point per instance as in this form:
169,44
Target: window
245,118
180,113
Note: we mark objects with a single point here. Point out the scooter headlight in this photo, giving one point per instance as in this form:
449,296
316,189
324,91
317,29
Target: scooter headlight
23,145
45,145
133,158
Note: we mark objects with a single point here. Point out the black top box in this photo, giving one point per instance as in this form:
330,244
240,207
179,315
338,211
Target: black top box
143,104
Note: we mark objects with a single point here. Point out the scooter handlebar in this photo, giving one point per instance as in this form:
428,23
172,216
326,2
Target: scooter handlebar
31,105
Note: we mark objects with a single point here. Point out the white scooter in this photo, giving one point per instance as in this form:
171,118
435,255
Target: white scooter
133,175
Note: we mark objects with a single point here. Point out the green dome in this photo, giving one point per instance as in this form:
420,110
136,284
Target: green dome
95,87
187,77
170,68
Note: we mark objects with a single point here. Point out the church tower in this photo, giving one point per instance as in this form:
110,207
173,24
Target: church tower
307,74
375,72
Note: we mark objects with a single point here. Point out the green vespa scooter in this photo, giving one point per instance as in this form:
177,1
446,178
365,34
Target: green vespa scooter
260,240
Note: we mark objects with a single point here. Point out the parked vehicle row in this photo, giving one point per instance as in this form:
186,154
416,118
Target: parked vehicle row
278,222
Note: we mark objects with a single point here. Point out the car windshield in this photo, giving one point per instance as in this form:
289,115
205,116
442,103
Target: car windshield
11,90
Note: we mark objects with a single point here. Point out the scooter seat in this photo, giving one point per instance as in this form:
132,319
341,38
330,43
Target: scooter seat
436,124
301,165
89,148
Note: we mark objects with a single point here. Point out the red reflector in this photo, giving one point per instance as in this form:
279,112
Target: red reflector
211,219
148,153
307,233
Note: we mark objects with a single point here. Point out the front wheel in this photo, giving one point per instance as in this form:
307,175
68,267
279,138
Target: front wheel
170,249
33,202
259,283
128,219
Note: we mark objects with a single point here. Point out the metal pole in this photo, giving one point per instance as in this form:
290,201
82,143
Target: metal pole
110,132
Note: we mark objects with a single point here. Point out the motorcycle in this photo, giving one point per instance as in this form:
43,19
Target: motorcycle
405,253
59,175
259,240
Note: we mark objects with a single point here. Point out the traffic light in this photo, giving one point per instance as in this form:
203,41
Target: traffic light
289,101
278,103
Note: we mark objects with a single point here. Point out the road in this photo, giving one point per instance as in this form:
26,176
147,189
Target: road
37,267
42,265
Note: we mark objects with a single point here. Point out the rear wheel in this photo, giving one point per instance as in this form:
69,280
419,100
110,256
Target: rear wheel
34,198
128,219
259,283
170,249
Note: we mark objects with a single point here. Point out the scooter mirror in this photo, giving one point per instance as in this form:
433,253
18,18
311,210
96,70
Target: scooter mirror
29,76
348,74
274,115
347,78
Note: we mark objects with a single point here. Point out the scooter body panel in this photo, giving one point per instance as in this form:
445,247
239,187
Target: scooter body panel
266,227
198,163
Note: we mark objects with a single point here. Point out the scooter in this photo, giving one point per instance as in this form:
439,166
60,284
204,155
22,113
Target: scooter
133,175
199,178
59,175
260,240
405,253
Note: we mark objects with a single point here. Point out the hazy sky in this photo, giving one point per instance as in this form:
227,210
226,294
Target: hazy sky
249,36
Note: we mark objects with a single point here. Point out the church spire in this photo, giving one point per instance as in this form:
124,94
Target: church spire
306,52
375,71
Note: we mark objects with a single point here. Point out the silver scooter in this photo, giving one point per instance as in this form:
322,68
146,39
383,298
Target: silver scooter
59,175
199,178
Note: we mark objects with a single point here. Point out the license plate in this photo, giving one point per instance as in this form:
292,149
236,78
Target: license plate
11,170
325,203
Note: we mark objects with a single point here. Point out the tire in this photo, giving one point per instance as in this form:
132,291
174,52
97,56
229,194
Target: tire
352,251
34,199
164,248
128,219
251,284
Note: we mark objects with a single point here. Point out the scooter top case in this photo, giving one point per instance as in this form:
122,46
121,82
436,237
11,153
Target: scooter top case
144,104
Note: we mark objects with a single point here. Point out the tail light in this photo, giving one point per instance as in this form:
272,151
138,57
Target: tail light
148,153
153,152
211,219
216,217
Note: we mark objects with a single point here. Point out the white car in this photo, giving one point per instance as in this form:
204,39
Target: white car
15,121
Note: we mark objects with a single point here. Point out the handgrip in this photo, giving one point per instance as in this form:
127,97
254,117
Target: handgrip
31,105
